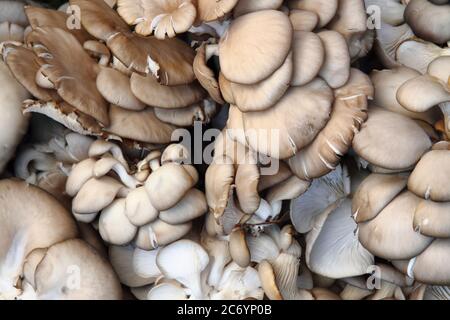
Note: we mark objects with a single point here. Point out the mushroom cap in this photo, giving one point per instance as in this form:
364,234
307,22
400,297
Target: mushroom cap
239,250
270,31
12,95
71,70
432,265
42,17
190,207
13,11
168,185
431,186
374,143
325,9
24,65
390,235
429,21
247,6
114,226
115,87
291,124
75,263
161,17
308,57
336,252
303,20
141,126
138,208
159,233
184,117
169,61
213,10
431,219
266,93
336,66
268,282
80,174
246,180
422,93
374,194
148,90
205,75
440,68
31,218
387,82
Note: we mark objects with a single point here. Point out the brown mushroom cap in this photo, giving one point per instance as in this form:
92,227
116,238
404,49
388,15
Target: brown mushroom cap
161,17
270,31
308,57
205,75
432,266
247,6
432,219
390,234
303,20
213,10
432,186
71,70
325,9
374,143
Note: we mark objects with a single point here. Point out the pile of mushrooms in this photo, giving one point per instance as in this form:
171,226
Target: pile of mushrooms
329,155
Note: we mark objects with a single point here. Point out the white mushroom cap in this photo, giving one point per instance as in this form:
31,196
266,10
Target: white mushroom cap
325,9
138,207
114,226
159,233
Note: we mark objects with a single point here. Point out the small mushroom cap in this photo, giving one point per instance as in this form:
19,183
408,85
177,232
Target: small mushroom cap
42,17
431,219
303,20
336,67
141,126
247,6
422,93
138,207
80,174
169,61
324,294
238,248
432,265
374,194
336,252
168,185
308,57
374,142
115,87
325,9
428,20
205,75
71,70
23,65
440,68
148,90
293,126
73,270
219,177
161,17
159,233
213,10
184,117
266,93
225,89
13,11
268,283
190,207
270,31
114,226
394,225
392,11
246,180
288,189
387,82
431,186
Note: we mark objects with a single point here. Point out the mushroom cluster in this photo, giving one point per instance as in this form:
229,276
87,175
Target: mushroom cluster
326,173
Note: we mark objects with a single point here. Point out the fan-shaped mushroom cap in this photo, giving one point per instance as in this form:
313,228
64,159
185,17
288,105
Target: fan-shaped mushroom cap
325,9
42,17
387,82
205,75
431,219
374,143
374,194
190,207
138,208
336,252
114,226
431,186
161,17
273,31
266,93
429,20
288,126
71,70
213,10
13,122
31,219
268,283
168,185
148,90
247,6
238,248
440,68
432,265
23,65
394,225
73,270
115,87
303,20
391,10
336,66
159,233
308,57
142,125
184,261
